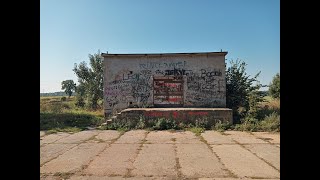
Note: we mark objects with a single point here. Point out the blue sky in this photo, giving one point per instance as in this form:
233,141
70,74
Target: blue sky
72,29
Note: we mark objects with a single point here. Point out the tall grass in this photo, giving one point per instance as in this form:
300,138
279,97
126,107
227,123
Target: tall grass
268,117
61,114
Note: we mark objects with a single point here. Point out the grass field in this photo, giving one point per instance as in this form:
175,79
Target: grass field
59,114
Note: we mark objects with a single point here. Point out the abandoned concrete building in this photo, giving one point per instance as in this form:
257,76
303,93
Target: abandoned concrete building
179,81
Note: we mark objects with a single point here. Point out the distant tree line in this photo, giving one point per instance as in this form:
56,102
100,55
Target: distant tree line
60,93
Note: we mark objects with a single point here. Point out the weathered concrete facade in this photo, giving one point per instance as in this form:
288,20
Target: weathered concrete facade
209,116
164,80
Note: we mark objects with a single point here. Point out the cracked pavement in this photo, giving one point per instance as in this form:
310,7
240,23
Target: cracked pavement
141,154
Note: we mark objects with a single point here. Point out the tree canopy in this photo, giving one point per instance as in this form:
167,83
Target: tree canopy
68,86
274,87
242,94
90,88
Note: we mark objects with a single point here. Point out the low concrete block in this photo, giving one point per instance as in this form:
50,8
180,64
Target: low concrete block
180,115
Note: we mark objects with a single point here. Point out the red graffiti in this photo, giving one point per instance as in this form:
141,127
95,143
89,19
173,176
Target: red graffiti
175,114
174,99
174,85
197,113
157,114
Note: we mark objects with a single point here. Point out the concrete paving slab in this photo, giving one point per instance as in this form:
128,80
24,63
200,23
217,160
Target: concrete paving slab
220,179
197,160
243,137
268,152
268,136
113,161
232,179
115,178
50,178
186,137
243,163
102,160
42,133
155,160
132,137
74,159
94,178
78,137
161,137
108,135
53,137
51,151
214,137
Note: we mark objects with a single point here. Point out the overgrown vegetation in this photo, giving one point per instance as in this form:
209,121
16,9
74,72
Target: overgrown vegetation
219,126
90,88
196,130
198,126
61,114
241,92
251,111
274,87
267,117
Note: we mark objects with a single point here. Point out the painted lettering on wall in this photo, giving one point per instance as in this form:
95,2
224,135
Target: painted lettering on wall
192,86
162,65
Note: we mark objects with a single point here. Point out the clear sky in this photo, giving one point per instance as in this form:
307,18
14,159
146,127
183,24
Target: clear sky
72,29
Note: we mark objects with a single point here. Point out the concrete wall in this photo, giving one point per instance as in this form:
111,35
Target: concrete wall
208,116
128,80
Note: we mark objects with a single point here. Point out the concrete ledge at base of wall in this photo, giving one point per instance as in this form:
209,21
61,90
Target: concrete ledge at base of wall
184,115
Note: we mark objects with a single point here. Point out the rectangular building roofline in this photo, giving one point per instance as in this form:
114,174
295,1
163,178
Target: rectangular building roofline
160,54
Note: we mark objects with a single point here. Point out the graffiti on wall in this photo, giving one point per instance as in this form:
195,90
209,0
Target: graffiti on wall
187,85
167,91
205,88
128,87
175,114
162,65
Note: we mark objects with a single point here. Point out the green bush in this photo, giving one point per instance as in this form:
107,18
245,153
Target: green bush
164,124
196,130
63,99
122,124
271,123
268,107
219,126
202,123
241,91
171,124
247,124
141,123
160,124
117,126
